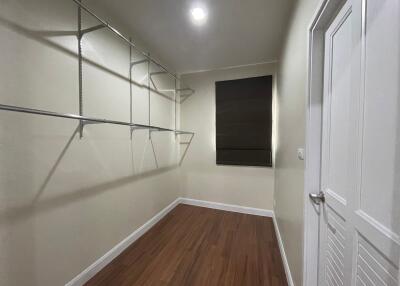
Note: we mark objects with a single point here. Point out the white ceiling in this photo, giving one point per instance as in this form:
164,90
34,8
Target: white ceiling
238,32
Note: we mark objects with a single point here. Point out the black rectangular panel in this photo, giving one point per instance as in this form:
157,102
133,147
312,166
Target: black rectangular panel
244,121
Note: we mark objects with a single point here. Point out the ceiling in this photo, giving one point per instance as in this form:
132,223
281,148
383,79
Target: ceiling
237,32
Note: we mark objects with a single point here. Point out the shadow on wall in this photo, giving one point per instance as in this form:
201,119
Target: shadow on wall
37,206
42,37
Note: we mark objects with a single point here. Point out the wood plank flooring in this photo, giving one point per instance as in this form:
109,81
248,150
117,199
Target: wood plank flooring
195,246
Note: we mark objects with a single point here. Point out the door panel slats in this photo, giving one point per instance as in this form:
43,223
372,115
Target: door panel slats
376,265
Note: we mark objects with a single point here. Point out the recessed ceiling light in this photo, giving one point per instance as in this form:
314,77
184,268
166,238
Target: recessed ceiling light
198,15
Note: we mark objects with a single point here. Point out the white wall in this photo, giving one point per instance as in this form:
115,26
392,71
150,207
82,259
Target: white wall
64,202
289,173
201,177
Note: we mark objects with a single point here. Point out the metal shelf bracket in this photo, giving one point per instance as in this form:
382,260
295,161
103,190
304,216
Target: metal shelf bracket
138,62
81,33
91,29
185,93
187,143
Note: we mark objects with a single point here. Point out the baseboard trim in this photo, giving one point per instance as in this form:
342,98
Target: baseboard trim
99,264
283,253
227,207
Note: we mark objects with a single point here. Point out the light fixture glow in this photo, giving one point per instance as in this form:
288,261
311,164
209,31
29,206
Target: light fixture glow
199,15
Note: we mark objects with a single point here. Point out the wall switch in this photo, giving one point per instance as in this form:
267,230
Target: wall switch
300,153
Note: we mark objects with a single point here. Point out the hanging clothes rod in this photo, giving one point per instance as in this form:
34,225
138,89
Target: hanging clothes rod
86,119
126,39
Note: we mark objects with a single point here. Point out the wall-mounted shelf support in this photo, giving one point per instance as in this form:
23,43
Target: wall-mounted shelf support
187,143
175,111
138,62
185,93
92,29
81,33
151,78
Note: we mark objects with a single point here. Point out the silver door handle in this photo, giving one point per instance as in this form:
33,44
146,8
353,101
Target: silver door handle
317,198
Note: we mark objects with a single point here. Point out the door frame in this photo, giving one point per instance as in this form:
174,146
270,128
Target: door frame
321,19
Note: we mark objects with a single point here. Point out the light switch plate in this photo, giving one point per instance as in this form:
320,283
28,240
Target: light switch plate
300,153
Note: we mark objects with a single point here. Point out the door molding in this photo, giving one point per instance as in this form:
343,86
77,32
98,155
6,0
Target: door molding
321,19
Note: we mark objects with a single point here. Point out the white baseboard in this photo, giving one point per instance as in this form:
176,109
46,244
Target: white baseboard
99,264
227,207
283,254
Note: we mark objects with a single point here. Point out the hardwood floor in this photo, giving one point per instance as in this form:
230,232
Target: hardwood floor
194,246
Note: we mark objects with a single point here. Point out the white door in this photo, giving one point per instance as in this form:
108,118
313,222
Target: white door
360,166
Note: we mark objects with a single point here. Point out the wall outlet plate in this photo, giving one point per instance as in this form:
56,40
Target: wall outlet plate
300,153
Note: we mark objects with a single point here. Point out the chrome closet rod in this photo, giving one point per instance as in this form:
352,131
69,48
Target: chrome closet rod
119,34
86,119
